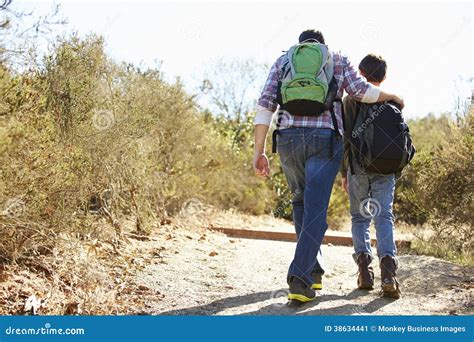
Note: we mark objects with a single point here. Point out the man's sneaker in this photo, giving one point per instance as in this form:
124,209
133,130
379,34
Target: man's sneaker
299,291
318,281
365,278
390,285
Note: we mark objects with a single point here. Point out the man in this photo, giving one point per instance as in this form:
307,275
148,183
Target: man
310,149
364,187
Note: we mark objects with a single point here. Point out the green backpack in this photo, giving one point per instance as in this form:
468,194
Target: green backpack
307,80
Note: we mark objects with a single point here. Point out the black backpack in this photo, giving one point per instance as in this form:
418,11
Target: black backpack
380,139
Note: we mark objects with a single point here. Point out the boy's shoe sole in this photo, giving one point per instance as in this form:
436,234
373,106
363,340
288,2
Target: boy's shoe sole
390,285
391,291
317,286
365,287
365,275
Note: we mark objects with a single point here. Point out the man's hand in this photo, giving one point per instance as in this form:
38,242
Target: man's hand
398,100
261,164
260,160
345,184
384,96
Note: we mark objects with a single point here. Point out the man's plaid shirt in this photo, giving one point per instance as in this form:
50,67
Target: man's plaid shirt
347,78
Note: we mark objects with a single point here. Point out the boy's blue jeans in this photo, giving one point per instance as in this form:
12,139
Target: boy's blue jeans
371,196
310,159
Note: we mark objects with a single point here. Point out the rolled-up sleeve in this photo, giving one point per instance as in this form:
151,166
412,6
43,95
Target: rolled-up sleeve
357,86
263,116
267,104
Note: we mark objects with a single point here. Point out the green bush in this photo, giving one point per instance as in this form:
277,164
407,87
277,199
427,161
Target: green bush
437,189
82,136
428,134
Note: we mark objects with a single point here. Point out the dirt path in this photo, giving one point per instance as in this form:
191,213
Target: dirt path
247,277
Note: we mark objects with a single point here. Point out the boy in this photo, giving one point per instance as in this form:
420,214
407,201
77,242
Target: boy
370,195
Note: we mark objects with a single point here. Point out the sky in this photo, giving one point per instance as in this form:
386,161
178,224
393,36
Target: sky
428,46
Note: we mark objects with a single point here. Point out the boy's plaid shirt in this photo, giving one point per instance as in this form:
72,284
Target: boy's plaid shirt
347,78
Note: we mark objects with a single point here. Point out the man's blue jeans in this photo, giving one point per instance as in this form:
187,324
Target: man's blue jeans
310,159
371,196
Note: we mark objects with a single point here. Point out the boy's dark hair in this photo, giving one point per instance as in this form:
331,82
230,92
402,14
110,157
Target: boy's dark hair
311,34
373,67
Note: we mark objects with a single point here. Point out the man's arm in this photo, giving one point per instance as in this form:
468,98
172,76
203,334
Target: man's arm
266,106
260,160
386,96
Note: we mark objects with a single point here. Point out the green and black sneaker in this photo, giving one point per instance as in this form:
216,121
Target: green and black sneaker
299,291
318,281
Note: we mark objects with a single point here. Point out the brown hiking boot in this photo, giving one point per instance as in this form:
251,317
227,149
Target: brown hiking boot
390,285
365,279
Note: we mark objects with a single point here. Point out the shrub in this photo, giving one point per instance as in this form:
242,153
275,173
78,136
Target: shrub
438,190
83,139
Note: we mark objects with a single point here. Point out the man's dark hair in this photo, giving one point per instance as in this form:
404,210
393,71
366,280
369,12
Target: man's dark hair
373,67
311,34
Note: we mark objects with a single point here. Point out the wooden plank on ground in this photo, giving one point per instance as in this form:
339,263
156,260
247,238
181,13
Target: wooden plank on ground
291,237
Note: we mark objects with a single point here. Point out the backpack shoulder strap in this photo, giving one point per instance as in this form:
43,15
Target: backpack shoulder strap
358,109
289,55
333,115
329,67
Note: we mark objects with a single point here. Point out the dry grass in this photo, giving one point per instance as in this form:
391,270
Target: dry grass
79,277
82,135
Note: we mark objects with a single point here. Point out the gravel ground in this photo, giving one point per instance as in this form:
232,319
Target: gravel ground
207,273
